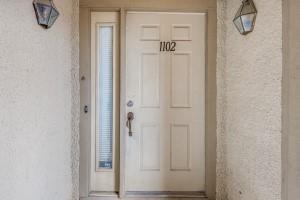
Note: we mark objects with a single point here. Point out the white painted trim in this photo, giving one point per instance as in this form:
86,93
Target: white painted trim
203,7
139,11
103,194
145,195
137,194
98,20
122,102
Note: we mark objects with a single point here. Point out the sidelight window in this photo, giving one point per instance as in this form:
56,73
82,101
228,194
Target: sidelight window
104,102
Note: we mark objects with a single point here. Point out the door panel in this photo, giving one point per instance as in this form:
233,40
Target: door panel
167,149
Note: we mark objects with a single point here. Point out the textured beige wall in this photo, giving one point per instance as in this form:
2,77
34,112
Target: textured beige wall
38,79
39,98
291,125
249,74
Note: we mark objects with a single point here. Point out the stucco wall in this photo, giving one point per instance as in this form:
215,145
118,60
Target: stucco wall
249,75
291,84
38,79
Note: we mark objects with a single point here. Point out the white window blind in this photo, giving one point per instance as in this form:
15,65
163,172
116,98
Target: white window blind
105,98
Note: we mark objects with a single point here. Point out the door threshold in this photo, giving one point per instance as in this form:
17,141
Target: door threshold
103,194
137,195
165,194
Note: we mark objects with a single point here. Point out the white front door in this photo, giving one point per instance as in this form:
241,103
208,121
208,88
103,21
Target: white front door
165,90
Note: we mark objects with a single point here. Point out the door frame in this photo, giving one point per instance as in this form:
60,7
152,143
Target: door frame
122,7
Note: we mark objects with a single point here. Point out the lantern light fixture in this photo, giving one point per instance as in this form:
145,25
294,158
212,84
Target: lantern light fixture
245,17
46,12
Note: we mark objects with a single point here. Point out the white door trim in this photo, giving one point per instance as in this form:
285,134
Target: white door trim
105,19
124,6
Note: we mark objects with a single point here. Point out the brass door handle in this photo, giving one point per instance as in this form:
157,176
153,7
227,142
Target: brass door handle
130,117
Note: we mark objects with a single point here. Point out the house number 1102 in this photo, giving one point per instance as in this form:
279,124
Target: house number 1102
167,46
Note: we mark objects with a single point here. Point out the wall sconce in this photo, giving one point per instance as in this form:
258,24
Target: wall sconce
46,12
244,19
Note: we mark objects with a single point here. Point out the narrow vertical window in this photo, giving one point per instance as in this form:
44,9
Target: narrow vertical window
105,98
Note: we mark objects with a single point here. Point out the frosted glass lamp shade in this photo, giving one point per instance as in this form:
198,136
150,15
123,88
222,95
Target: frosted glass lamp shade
244,19
46,12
